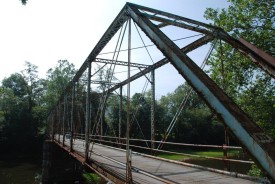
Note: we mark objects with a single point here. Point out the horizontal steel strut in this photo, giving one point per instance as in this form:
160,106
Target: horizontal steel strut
122,63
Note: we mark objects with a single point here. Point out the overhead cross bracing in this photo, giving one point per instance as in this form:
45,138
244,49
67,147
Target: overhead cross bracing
122,63
151,21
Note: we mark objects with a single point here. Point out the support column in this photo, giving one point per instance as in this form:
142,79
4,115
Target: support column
128,151
88,115
120,115
101,123
153,110
64,118
59,121
225,150
52,121
72,117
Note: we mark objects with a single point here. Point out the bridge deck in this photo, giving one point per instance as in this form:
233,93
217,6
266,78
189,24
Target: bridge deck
150,170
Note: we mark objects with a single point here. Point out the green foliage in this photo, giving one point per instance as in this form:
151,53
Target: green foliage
141,117
35,86
25,101
208,153
92,178
195,124
172,156
251,88
112,115
57,80
255,171
7,101
250,19
23,118
17,84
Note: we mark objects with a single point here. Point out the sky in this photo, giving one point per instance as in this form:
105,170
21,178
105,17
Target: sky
45,31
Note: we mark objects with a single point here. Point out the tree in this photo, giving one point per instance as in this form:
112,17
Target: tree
14,89
140,116
250,19
249,86
17,83
7,102
24,115
104,77
14,103
57,81
112,115
35,86
195,124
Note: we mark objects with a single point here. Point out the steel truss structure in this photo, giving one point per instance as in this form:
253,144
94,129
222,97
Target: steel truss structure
150,21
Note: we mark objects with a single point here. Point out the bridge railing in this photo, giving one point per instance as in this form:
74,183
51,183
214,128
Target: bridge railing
138,145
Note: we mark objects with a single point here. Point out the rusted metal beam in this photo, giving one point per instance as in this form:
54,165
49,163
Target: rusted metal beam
64,119
107,36
179,24
103,82
260,58
111,31
194,45
88,113
122,63
153,109
72,117
260,146
140,74
120,114
172,16
267,62
162,25
129,179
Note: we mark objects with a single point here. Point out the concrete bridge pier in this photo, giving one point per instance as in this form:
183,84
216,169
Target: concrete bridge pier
59,167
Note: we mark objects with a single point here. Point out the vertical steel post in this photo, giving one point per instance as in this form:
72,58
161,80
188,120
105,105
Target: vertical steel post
120,114
225,150
101,123
48,126
72,117
59,121
52,121
128,159
88,115
90,125
64,118
153,110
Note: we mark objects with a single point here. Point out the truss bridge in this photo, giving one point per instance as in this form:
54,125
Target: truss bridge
81,125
